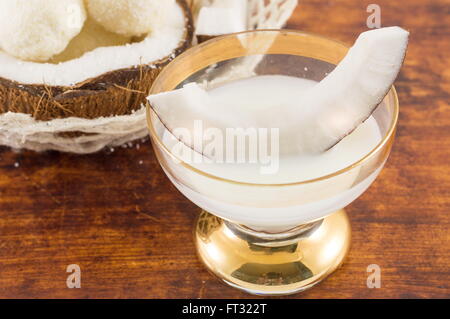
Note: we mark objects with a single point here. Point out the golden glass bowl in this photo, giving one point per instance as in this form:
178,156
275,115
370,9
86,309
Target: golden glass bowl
269,239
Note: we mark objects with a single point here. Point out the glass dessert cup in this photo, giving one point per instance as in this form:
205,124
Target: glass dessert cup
269,239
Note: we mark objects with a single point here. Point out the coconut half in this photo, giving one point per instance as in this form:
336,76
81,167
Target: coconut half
99,75
324,114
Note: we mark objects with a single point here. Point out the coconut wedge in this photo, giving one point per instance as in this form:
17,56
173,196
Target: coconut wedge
324,114
181,109
348,96
221,17
112,79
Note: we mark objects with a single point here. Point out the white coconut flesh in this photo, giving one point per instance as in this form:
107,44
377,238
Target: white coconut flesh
324,114
130,17
222,17
91,37
178,110
38,29
107,55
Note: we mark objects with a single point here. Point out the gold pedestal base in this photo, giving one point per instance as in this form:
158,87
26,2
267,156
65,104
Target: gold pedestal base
272,264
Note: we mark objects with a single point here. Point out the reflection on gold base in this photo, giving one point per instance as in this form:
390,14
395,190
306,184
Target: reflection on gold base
272,264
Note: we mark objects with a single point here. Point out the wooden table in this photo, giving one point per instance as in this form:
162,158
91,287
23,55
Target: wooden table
119,218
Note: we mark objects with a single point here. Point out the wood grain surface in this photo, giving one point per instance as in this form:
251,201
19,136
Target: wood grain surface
117,216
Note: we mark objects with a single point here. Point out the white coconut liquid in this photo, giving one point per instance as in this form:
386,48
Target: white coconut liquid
276,208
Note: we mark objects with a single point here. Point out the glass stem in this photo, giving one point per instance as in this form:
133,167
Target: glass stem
273,239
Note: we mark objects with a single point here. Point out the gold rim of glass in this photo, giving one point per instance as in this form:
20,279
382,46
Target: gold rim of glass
364,159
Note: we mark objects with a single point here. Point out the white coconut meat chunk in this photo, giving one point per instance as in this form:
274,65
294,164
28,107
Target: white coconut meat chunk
182,112
36,30
222,17
129,17
189,102
161,42
324,114
347,96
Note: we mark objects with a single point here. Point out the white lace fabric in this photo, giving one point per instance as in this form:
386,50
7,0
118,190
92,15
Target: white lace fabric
22,131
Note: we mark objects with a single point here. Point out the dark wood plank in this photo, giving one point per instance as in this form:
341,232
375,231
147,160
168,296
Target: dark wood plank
128,228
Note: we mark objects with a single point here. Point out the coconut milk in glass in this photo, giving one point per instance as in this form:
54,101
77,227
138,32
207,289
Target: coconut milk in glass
261,95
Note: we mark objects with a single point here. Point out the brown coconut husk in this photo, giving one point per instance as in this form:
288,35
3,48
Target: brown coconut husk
119,92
